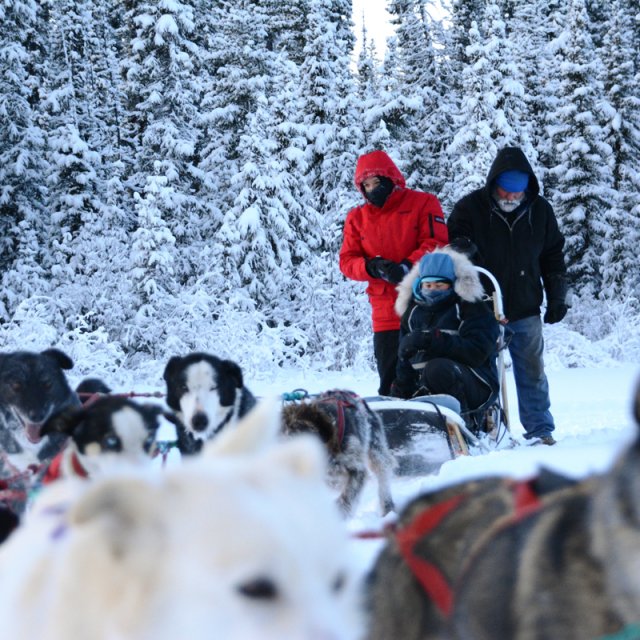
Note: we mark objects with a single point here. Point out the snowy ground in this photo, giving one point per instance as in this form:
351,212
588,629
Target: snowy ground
591,407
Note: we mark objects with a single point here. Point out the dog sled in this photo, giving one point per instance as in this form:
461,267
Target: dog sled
425,431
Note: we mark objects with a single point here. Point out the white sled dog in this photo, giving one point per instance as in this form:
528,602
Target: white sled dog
242,542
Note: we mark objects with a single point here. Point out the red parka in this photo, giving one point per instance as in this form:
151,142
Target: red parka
410,224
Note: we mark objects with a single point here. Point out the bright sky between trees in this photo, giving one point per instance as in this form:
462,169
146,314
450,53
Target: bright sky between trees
376,20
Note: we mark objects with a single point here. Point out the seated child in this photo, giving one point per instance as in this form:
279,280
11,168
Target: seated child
448,333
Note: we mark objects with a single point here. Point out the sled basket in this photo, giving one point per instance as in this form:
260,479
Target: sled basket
422,432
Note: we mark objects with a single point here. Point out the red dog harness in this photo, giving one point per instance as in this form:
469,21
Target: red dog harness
430,577
53,471
343,400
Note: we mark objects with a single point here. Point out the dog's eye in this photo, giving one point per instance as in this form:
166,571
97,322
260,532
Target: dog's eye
338,583
16,386
259,589
184,388
111,443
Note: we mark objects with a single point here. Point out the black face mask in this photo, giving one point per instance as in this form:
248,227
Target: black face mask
378,196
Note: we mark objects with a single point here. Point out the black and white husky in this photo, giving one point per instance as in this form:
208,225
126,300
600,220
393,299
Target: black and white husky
207,394
109,432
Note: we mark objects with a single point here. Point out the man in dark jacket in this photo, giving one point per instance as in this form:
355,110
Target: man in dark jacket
511,230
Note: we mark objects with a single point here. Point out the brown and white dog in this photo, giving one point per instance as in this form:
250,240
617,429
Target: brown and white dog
355,441
567,570
431,542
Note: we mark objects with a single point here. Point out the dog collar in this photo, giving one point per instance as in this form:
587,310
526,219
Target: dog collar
223,423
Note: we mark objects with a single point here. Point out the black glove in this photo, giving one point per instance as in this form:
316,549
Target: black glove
464,245
414,342
388,270
400,389
556,310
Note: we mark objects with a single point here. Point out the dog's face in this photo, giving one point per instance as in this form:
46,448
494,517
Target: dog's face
32,388
110,431
203,390
232,544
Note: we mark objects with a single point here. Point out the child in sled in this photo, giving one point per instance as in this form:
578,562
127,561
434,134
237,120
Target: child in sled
448,334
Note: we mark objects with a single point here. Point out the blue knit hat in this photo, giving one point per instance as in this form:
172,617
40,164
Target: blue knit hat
513,181
436,267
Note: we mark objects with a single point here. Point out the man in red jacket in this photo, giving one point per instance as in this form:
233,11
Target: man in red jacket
383,237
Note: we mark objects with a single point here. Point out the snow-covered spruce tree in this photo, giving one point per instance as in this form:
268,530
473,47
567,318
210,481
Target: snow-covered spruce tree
374,127
493,112
152,271
333,125
621,271
242,159
74,199
463,15
531,28
23,168
598,12
422,130
164,79
474,145
329,103
581,183
391,108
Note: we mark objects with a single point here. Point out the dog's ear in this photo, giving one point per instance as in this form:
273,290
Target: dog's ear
122,509
59,357
173,364
233,370
64,421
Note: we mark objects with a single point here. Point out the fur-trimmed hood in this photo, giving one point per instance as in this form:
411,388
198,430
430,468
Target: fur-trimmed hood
467,284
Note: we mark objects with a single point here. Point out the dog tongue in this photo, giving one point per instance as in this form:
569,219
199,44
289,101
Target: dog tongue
33,432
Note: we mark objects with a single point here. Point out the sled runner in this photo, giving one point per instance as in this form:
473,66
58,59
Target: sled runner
425,431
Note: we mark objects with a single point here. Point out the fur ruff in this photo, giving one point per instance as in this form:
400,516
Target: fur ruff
467,284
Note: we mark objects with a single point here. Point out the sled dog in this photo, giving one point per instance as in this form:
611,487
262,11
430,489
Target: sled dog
243,541
109,432
568,570
208,394
354,438
33,387
433,536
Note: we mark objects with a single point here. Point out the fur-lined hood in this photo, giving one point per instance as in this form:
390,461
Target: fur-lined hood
467,284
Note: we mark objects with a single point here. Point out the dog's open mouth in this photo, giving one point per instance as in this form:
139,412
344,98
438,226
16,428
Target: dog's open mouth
31,429
33,432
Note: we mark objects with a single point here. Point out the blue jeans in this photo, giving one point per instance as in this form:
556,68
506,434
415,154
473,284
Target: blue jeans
532,386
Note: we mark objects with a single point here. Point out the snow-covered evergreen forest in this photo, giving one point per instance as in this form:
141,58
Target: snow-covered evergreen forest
174,174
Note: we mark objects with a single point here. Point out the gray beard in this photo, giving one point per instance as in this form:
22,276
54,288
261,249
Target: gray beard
509,205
